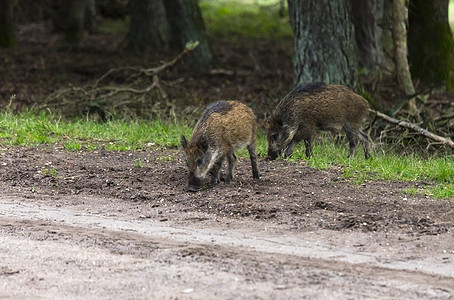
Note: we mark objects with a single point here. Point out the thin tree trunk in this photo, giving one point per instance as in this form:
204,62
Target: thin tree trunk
324,41
7,37
431,42
400,20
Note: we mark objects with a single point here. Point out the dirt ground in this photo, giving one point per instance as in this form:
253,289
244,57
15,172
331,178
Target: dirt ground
96,225
101,225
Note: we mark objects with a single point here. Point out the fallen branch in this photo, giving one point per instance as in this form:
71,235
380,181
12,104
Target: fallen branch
156,70
422,131
103,96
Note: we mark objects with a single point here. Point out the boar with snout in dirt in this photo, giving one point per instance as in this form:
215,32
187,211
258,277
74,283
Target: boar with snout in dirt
225,126
310,108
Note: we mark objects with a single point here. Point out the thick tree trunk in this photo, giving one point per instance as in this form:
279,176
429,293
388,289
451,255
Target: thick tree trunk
149,29
187,24
431,42
324,41
400,19
7,37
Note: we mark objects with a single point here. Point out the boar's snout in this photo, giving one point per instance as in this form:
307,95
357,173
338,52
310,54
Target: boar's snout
272,155
195,183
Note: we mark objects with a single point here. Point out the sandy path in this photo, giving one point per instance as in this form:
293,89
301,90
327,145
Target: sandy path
102,248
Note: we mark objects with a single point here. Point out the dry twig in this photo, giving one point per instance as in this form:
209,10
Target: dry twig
422,131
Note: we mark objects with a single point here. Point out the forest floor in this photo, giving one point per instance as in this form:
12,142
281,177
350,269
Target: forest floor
95,224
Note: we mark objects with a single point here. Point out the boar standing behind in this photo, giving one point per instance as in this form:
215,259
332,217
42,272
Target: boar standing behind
224,127
312,107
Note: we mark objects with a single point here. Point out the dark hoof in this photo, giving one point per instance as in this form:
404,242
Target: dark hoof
194,189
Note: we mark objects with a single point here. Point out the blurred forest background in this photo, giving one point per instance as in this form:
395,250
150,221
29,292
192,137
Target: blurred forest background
131,59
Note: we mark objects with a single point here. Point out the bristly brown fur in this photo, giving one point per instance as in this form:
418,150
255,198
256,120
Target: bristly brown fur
309,108
225,126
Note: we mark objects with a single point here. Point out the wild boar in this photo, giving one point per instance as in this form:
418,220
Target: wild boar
225,126
312,107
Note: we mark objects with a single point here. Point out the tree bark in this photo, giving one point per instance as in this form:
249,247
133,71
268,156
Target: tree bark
7,37
431,42
187,25
158,25
324,41
149,29
73,19
90,16
367,18
400,19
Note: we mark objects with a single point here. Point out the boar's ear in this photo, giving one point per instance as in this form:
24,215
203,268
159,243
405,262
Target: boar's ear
184,142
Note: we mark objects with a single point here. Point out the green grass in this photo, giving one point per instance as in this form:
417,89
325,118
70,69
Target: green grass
384,165
435,175
250,19
30,129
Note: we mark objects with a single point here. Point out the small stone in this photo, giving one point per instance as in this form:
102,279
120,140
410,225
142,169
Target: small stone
281,287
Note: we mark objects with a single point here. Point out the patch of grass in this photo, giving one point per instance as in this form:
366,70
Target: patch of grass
439,191
166,158
31,129
49,171
138,163
443,191
384,165
238,19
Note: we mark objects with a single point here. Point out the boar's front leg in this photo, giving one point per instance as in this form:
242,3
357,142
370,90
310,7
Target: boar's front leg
215,173
296,139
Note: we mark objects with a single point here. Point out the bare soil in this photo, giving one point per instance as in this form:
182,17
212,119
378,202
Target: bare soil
100,225
94,225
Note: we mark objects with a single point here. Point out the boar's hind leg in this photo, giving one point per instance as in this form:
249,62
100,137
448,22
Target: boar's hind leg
253,157
352,137
231,159
365,140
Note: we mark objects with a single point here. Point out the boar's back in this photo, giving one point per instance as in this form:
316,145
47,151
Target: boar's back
221,107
